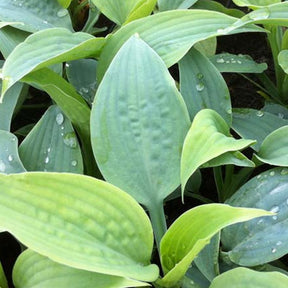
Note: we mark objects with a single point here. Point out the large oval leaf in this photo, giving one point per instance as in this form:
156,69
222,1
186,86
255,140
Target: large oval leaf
50,46
192,231
255,3
172,33
52,145
34,270
202,86
90,224
35,15
263,240
243,277
138,124
208,138
9,158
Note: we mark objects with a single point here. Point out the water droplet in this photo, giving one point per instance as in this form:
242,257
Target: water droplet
279,243
83,90
260,221
259,176
2,166
228,62
62,127
259,14
275,209
200,87
74,163
67,65
200,76
275,217
45,22
273,250
10,158
70,140
272,173
259,113
13,139
46,160
1,75
281,115
284,171
59,118
229,111
220,60
62,12
239,62
226,30
48,150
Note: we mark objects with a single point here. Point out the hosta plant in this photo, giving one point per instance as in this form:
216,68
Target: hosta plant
84,189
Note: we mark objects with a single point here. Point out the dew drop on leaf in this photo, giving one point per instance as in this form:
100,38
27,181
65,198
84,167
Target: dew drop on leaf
279,243
10,158
220,60
200,87
59,118
200,76
259,113
275,209
74,163
2,166
259,15
272,173
70,140
46,160
62,13
274,250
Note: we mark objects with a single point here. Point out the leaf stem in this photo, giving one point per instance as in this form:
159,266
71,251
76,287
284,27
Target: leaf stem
218,177
158,220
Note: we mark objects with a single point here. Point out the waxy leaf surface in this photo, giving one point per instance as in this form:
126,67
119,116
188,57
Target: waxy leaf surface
90,224
243,277
34,270
175,4
261,240
192,231
50,46
52,145
138,124
255,3
35,15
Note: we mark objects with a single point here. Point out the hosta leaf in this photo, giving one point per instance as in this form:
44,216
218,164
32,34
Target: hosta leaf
202,86
255,3
50,46
64,3
9,38
90,224
175,4
3,280
52,145
9,158
208,138
137,142
226,62
34,270
274,148
243,277
263,240
72,104
183,241
283,60
3,24
256,124
82,75
171,33
119,11
35,15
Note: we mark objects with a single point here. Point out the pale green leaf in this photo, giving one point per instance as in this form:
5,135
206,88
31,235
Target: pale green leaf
34,270
261,240
35,15
207,47
72,104
192,231
208,138
52,145
202,86
3,280
243,277
50,46
90,224
171,33
9,158
137,141
283,60
274,148
226,62
64,3
119,11
255,3
3,24
256,124
175,4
